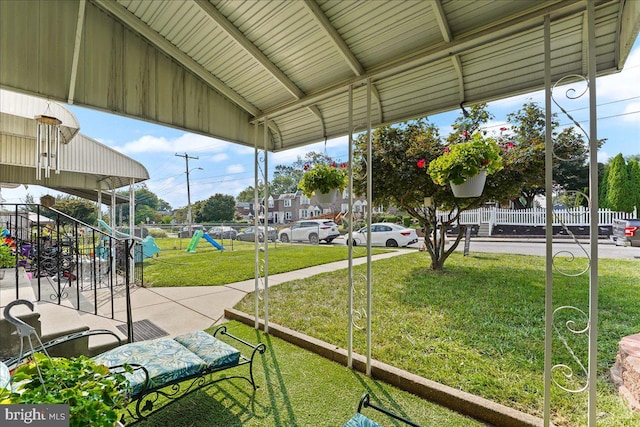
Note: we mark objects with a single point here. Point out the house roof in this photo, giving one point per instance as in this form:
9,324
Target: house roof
214,67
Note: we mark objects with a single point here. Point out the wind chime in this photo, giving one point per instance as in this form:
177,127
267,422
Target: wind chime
47,145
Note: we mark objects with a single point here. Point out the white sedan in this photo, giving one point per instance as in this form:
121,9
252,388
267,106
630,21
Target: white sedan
386,234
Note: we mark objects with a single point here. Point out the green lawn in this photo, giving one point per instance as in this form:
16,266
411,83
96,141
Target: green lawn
479,326
296,388
211,267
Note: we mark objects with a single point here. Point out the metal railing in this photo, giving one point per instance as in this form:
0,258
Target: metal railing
70,262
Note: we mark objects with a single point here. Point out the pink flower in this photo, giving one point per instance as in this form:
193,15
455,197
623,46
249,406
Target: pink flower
465,134
422,163
306,167
447,149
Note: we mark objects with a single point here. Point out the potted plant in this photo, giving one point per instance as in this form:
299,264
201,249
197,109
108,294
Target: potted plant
323,180
466,165
96,396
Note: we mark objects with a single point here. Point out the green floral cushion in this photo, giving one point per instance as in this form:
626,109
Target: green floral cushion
359,420
216,353
165,359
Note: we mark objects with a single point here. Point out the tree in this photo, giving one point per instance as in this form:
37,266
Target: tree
80,209
220,207
619,196
399,156
569,148
634,181
285,179
246,195
147,205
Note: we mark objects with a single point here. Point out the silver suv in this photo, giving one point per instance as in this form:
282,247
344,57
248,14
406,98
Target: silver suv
310,230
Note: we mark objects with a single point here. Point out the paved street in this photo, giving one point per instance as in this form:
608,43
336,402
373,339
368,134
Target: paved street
606,249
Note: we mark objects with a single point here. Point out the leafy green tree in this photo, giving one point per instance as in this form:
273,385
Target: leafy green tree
603,185
246,195
155,206
570,171
219,207
80,209
619,196
634,178
399,158
285,179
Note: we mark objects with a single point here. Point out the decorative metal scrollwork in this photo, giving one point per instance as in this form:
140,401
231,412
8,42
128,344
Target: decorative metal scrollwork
576,323
358,314
562,370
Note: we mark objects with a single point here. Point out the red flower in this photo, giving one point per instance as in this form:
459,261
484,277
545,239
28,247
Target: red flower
503,129
306,167
510,145
465,134
333,164
343,165
485,163
446,149
422,163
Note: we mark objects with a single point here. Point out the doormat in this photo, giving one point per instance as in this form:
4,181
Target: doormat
144,330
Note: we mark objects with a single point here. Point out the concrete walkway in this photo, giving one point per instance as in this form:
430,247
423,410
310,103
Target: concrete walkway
179,310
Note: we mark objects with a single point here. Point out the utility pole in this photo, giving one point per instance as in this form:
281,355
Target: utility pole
186,159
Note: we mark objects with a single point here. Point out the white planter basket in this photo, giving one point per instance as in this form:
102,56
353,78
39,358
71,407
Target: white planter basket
324,198
472,187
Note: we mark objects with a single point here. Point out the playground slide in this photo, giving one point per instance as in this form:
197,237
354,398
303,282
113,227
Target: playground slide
149,245
213,242
193,244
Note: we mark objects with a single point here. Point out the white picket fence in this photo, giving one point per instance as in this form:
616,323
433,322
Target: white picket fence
579,216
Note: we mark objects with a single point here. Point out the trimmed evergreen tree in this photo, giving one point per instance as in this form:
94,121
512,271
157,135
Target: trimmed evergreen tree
619,195
634,178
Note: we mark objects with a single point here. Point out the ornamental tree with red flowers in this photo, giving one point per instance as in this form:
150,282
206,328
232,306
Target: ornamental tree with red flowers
400,157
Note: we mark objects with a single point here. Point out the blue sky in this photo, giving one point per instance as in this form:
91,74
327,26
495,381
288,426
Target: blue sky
227,168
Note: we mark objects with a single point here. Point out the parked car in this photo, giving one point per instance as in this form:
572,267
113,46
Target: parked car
310,230
248,234
222,232
194,228
386,234
626,232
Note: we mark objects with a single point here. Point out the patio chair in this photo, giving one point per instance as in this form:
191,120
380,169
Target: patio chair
168,367
359,420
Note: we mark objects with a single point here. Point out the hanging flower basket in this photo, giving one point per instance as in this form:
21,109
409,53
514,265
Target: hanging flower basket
472,187
324,180
328,197
466,163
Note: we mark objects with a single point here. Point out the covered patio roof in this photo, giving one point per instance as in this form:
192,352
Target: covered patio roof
86,166
213,67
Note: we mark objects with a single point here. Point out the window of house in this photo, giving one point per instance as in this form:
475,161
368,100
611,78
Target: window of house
304,200
288,216
287,203
270,202
304,213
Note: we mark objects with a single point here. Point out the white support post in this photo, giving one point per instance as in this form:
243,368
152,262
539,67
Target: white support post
548,168
593,207
350,231
266,226
256,211
369,212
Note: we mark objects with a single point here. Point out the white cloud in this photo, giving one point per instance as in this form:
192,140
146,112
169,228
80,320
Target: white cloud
220,157
187,142
632,113
237,168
